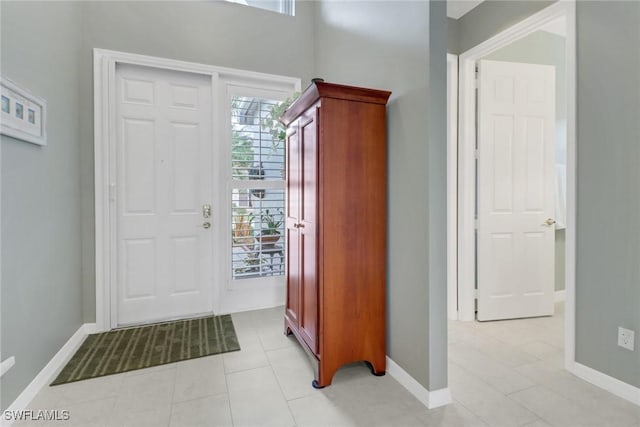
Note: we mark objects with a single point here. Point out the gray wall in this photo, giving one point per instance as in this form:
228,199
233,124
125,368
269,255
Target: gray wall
453,36
608,271
608,131
388,45
437,195
216,33
41,305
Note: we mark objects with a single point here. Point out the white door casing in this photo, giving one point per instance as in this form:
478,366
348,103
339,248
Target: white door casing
106,62
452,186
163,178
516,173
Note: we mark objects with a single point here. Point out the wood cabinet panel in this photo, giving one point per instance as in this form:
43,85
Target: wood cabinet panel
292,240
339,232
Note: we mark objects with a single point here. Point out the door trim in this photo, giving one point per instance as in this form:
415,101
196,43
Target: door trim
452,185
104,75
466,163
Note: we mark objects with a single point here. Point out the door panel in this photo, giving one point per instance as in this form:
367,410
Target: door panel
309,320
309,173
139,275
164,148
307,227
184,178
139,168
292,234
516,173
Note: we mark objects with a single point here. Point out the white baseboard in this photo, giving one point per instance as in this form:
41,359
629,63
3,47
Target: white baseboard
430,399
559,296
45,376
612,385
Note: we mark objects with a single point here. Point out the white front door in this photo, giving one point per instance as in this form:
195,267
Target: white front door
516,172
164,179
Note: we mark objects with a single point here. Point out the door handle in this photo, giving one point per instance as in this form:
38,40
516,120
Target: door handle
206,211
549,222
206,225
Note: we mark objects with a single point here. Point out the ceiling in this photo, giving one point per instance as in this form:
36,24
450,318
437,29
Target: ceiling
457,8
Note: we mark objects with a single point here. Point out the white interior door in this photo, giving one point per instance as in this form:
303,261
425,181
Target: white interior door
164,178
516,172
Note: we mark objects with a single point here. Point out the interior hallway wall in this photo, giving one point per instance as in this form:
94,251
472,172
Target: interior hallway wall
401,47
41,285
608,271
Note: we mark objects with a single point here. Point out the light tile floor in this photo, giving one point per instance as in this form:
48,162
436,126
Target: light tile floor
506,373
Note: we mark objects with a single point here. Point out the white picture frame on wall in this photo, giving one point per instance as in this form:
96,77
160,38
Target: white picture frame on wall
23,115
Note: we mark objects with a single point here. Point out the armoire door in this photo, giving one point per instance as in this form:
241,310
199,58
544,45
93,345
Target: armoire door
307,227
292,234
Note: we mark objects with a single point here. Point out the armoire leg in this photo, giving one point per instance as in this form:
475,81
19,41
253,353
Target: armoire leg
374,371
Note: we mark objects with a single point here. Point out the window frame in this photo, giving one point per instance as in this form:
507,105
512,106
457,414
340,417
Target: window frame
243,184
251,288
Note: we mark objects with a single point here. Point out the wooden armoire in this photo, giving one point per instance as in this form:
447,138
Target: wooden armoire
336,226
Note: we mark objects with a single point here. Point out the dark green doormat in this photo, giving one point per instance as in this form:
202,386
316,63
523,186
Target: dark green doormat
125,350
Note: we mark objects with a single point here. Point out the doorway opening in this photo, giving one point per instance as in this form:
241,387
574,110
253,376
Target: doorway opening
182,150
463,204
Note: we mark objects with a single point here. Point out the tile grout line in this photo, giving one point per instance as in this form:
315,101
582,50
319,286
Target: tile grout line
226,380
277,380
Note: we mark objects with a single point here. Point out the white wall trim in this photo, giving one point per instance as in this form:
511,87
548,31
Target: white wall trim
452,185
572,158
51,369
104,67
612,385
6,365
430,399
559,296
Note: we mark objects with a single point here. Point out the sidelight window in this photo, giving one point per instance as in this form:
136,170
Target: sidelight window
257,194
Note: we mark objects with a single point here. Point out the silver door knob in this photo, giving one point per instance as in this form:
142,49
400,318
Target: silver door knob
549,222
206,225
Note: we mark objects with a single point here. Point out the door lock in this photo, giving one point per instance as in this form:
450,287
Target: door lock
206,225
206,211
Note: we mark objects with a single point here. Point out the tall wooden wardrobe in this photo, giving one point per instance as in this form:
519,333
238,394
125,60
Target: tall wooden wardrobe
336,226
